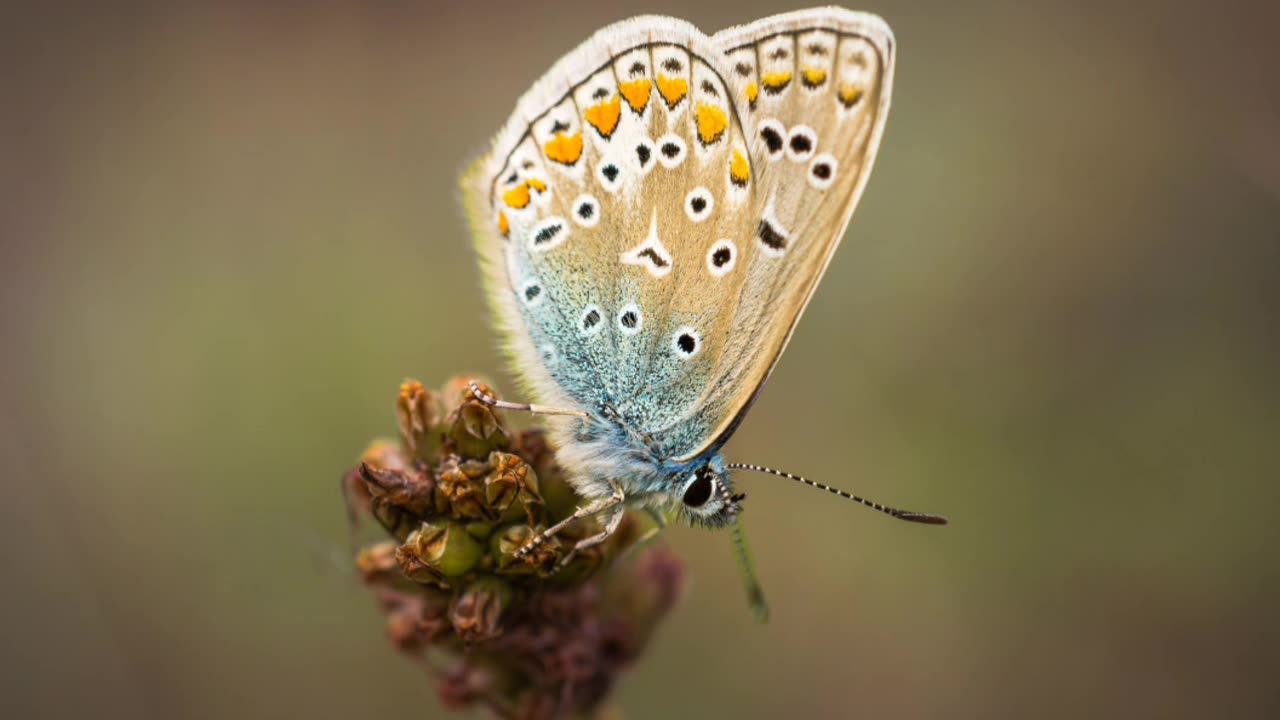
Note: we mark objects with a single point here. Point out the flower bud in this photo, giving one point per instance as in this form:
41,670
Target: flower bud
474,429
438,550
477,611
377,563
508,540
461,484
411,490
511,487
416,620
419,414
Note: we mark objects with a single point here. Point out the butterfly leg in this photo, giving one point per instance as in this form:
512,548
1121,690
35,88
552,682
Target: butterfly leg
591,508
610,527
493,402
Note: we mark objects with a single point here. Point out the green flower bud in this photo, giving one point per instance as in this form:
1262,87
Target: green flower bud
508,540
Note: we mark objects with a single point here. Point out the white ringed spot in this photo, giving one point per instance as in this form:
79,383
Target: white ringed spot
698,204
722,257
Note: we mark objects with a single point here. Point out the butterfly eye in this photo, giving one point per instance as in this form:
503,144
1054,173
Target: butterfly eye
698,204
802,143
822,171
699,491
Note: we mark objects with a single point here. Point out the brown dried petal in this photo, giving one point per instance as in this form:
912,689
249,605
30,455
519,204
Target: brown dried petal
411,490
438,550
377,563
512,485
474,428
419,415
477,611
461,485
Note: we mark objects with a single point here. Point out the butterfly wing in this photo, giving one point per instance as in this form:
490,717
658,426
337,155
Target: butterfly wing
597,216
817,86
659,209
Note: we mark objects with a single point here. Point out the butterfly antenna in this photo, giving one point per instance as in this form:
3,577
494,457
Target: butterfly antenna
755,593
908,515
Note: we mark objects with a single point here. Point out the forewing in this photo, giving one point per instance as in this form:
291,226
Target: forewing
611,217
817,86
659,210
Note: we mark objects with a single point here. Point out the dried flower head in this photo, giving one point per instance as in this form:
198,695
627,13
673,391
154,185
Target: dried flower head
540,636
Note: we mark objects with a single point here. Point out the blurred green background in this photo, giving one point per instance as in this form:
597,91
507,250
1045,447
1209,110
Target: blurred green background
229,232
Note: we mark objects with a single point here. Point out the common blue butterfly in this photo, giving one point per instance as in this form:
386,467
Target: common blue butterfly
651,223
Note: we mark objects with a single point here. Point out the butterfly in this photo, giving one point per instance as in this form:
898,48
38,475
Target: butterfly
651,223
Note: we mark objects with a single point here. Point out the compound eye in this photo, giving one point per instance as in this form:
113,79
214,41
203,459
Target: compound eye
699,491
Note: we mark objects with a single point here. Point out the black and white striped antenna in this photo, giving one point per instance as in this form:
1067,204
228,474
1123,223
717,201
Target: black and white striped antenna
908,515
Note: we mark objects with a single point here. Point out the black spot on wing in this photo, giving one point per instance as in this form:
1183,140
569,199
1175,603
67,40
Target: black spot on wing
686,343
773,139
547,233
653,257
771,236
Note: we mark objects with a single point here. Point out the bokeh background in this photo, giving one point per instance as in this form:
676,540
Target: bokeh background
231,229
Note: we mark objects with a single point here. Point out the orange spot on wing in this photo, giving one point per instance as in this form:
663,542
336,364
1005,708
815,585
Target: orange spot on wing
637,93
517,197
673,91
753,92
565,149
604,117
850,95
775,81
739,171
536,184
813,77
711,123
504,226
